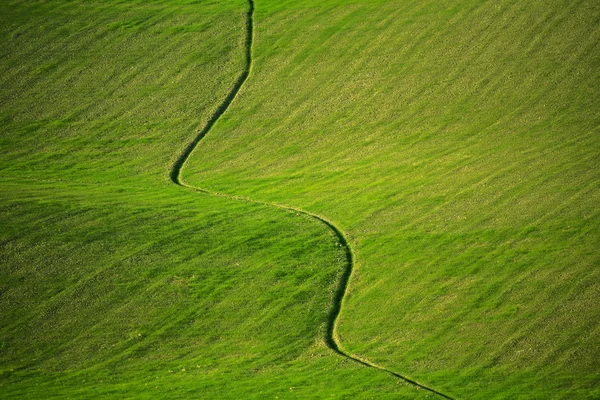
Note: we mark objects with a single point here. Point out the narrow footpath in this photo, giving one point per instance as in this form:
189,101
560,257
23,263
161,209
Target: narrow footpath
332,338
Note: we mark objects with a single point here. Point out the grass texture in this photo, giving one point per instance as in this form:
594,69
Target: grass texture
457,143
116,283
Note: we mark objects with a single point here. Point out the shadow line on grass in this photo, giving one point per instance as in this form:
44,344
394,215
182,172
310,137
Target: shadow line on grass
331,337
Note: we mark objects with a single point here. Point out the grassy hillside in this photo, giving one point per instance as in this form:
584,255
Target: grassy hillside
109,90
117,283
113,291
457,144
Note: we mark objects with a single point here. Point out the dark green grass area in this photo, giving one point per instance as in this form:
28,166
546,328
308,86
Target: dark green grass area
458,144
116,283
140,293
104,91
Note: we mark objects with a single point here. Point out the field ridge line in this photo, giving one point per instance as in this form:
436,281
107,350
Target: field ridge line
332,337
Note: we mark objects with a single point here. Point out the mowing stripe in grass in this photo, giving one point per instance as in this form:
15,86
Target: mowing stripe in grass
331,337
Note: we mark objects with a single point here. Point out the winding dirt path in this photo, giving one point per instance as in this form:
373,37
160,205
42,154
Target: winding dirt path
331,338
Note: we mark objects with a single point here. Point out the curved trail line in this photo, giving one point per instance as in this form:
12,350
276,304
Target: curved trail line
332,338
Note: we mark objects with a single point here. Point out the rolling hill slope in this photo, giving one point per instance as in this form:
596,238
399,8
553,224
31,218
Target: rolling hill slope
457,143
117,283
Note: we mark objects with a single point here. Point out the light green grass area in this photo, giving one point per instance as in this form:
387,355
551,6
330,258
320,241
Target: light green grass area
456,143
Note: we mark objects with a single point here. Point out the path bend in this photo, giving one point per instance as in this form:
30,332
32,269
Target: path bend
332,337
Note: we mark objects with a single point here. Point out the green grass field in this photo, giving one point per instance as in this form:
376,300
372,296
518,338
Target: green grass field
457,145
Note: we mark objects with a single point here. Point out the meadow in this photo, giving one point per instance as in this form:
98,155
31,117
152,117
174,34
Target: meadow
455,144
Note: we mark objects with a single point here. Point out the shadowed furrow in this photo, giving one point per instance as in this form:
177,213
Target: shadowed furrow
331,338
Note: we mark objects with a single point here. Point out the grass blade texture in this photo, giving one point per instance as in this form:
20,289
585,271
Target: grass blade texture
458,144
114,281
455,144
